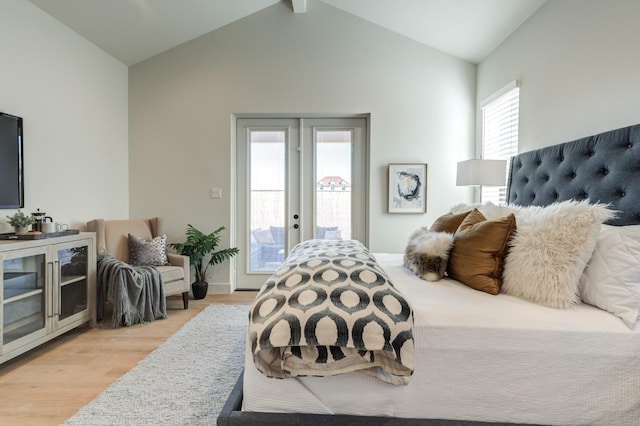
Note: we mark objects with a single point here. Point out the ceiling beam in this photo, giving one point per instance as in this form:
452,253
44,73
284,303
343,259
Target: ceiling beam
299,6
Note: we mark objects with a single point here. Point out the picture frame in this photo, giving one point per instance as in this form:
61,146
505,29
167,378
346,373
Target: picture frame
407,187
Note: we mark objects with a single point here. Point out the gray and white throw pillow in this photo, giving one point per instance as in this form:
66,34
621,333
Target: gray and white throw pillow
148,253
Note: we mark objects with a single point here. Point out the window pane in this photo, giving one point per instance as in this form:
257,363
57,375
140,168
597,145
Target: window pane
334,153
73,280
267,203
23,297
500,137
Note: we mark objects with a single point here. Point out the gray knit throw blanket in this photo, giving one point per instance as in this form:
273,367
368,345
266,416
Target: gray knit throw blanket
136,292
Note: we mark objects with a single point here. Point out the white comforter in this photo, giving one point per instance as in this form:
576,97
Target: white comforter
486,358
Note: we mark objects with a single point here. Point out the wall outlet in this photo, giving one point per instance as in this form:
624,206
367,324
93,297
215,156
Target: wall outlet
216,193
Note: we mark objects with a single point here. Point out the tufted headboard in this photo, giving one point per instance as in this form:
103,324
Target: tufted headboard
602,168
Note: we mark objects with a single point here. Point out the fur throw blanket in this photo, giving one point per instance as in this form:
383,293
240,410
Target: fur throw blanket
137,292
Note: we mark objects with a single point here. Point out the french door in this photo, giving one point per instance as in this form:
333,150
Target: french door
297,179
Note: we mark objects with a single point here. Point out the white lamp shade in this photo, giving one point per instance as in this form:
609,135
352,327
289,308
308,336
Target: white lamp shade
482,172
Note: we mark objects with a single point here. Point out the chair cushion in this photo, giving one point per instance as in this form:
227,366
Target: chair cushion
333,235
263,236
277,232
171,273
322,230
116,236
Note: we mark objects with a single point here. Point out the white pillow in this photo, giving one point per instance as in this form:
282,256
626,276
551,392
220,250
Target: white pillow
611,280
550,249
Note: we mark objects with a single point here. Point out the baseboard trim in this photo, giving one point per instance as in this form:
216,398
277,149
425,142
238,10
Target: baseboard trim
220,288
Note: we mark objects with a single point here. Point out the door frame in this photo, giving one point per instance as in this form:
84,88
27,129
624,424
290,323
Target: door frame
234,171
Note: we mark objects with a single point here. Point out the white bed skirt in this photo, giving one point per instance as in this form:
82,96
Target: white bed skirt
485,358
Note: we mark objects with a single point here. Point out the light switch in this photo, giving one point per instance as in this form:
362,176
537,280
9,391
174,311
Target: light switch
216,192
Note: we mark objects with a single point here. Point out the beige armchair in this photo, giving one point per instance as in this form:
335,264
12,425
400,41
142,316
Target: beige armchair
112,236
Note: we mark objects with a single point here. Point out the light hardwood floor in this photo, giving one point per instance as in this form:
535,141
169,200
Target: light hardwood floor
49,384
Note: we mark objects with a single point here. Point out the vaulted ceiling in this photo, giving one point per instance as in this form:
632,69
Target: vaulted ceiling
134,30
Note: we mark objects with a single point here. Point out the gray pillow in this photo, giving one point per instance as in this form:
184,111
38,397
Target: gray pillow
148,253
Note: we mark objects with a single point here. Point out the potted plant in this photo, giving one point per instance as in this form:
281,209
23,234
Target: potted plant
201,249
21,222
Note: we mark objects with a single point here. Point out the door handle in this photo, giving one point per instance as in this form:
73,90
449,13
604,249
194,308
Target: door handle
296,226
295,216
52,291
58,273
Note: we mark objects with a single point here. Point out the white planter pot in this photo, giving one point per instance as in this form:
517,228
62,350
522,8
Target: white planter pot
21,230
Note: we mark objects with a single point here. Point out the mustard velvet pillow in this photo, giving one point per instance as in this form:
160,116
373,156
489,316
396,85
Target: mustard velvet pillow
479,249
448,223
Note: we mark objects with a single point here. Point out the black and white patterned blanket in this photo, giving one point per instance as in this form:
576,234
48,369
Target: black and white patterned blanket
330,309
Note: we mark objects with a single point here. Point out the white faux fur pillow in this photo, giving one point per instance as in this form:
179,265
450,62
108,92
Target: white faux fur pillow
550,249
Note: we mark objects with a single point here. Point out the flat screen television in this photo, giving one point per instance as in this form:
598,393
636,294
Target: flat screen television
11,162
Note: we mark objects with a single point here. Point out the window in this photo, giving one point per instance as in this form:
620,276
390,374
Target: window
500,116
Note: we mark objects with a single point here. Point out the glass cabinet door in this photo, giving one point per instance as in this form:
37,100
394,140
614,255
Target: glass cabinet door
23,296
73,284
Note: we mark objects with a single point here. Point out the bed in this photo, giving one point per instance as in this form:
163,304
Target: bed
507,358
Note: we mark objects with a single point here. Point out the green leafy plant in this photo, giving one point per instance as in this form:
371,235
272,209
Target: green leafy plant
21,220
200,246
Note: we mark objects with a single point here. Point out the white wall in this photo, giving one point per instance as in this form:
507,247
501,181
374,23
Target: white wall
325,61
578,64
73,99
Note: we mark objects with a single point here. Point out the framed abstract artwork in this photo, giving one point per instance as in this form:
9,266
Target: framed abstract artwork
407,187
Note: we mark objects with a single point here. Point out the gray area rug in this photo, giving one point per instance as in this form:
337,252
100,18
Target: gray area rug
185,381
